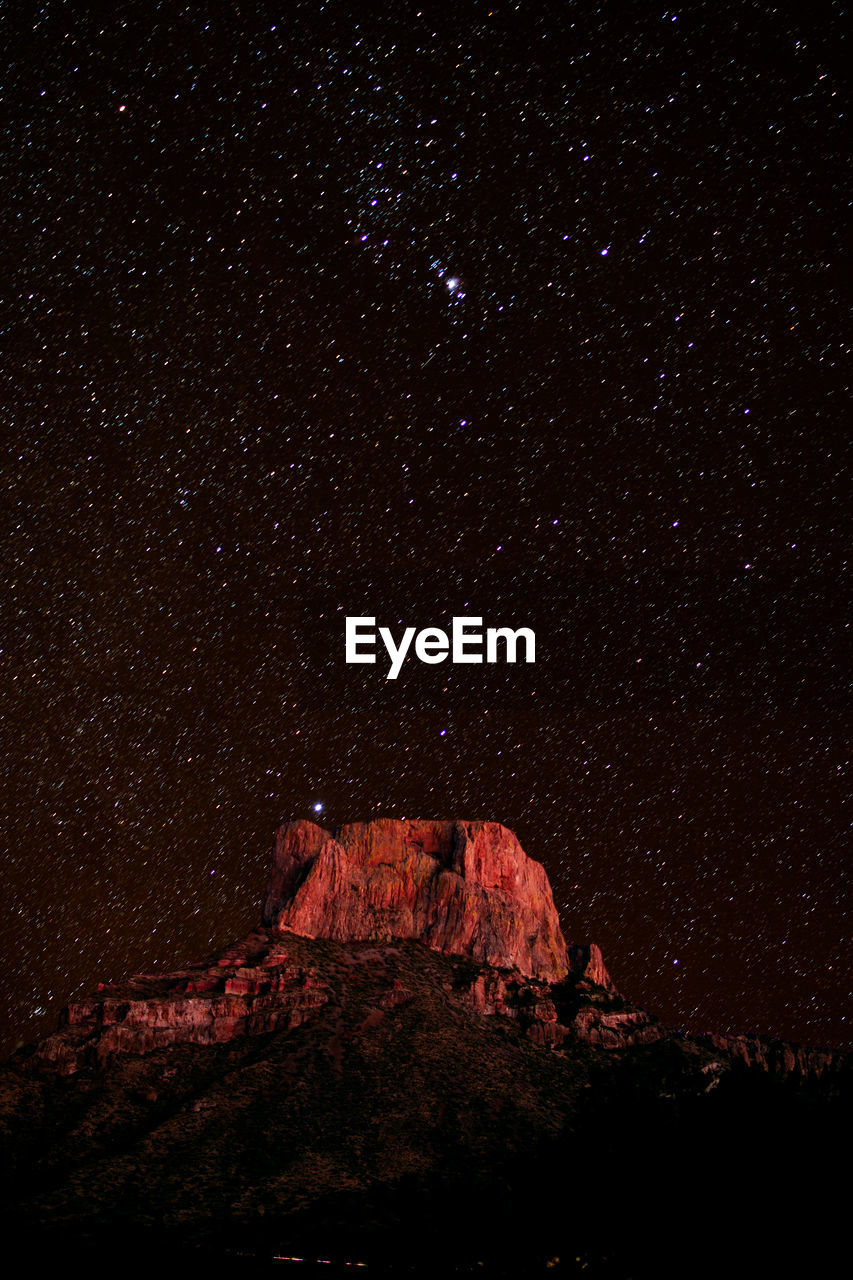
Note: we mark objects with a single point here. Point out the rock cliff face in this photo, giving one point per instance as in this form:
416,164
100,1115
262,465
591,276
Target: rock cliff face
465,888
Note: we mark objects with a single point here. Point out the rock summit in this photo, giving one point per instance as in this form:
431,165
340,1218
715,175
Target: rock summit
464,888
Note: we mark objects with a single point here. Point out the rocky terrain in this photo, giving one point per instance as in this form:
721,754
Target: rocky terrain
406,1048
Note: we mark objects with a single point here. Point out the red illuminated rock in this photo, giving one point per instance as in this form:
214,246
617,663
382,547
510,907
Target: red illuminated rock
465,888
587,965
251,989
375,891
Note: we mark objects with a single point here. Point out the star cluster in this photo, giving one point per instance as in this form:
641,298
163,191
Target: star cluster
528,312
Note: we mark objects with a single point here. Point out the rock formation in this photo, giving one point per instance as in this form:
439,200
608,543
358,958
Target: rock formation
465,888
251,989
405,1032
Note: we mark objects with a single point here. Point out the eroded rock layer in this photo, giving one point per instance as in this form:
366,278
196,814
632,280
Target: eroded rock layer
252,988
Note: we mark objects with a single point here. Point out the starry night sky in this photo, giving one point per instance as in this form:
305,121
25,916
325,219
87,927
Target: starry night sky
531,312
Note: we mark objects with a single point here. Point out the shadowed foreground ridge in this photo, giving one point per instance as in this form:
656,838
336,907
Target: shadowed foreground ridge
406,1063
